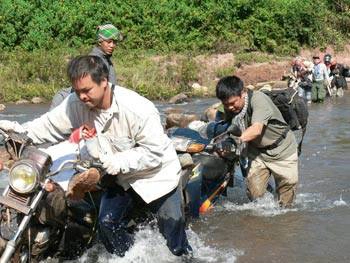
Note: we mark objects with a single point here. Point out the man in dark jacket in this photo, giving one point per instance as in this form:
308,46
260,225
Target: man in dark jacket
107,37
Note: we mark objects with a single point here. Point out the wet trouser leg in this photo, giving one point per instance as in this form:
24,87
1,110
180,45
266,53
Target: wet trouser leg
115,206
285,173
308,93
322,92
301,92
171,221
257,179
318,91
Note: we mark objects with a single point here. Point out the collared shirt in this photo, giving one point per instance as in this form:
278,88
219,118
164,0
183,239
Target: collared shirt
320,72
96,51
130,130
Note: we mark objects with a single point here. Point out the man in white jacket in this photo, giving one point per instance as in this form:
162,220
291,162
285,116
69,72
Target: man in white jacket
134,150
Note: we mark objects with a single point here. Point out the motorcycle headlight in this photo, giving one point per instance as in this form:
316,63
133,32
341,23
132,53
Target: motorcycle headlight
24,176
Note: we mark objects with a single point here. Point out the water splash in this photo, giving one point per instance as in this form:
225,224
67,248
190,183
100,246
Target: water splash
340,202
267,206
150,246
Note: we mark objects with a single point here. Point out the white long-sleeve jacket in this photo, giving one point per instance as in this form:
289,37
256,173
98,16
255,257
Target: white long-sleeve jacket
130,130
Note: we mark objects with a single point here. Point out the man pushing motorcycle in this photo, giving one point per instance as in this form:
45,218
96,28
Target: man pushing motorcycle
265,139
138,157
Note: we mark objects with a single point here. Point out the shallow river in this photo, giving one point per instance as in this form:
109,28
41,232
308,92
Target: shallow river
316,230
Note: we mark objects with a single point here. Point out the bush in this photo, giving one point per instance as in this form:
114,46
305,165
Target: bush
37,38
175,25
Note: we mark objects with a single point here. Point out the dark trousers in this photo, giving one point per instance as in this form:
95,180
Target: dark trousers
115,209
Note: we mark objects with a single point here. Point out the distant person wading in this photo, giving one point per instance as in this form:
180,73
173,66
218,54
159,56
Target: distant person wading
320,78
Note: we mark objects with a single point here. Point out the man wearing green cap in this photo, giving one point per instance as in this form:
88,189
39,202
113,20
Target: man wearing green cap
107,37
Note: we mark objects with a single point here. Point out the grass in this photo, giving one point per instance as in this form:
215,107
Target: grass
40,73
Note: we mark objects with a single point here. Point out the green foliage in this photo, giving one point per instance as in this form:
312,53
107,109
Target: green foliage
157,78
253,57
37,38
26,74
224,71
176,25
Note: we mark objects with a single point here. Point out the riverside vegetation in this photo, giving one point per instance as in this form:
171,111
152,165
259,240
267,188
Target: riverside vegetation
162,39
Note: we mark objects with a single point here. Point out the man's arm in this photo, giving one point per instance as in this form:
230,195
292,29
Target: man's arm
252,132
261,114
53,126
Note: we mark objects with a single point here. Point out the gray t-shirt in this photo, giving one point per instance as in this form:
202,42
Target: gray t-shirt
96,51
60,96
266,112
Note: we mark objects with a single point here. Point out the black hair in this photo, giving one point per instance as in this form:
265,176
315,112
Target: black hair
81,66
229,86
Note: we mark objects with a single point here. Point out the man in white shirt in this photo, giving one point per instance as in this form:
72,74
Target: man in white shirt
133,149
320,78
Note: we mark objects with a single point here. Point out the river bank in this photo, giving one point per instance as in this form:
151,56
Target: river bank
34,77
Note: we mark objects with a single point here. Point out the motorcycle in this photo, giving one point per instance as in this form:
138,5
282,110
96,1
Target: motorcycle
36,219
206,174
31,229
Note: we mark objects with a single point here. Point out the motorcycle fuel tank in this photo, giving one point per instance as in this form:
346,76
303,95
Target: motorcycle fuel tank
213,167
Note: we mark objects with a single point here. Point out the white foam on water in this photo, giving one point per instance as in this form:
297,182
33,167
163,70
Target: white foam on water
340,202
267,205
150,246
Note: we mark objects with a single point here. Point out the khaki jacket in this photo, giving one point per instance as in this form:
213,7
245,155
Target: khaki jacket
130,130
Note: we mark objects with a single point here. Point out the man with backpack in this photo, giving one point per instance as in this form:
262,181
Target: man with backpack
265,138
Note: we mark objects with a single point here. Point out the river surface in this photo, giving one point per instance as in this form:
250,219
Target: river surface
317,229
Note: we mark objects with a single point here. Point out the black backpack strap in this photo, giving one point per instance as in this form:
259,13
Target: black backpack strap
277,142
303,130
248,123
248,115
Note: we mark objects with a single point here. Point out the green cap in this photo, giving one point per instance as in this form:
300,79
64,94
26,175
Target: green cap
107,32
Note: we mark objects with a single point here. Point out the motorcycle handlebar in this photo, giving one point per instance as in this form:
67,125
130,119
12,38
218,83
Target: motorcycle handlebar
96,164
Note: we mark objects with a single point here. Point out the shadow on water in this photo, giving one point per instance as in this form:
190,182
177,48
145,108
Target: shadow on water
317,229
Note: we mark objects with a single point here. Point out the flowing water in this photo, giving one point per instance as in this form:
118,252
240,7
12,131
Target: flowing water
317,229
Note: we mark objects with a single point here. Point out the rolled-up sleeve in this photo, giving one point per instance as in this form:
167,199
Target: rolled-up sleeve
262,112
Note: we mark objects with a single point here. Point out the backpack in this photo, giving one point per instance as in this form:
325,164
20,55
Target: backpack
339,82
293,108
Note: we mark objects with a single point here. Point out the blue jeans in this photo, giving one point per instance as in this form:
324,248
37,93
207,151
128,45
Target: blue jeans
115,209
305,92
